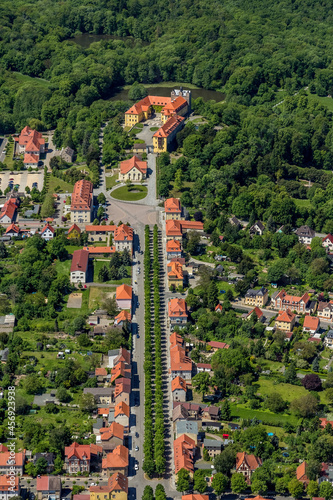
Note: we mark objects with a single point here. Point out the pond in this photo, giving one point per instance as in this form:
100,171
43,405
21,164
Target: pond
86,39
207,95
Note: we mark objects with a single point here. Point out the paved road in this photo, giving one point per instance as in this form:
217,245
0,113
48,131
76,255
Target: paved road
2,149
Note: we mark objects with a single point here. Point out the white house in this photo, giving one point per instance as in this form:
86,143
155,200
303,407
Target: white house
79,266
305,234
124,296
47,232
327,242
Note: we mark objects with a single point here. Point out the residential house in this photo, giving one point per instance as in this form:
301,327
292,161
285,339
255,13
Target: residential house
285,321
9,486
219,308
213,447
173,249
181,365
188,427
256,297
120,370
328,340
49,457
235,222
173,230
178,389
195,496
283,301
180,413
191,225
31,143
48,487
110,437
79,267
257,312
133,169
325,310
101,374
184,449
118,355
74,232
47,233
172,209
193,409
122,414
247,464
124,296
67,154
116,461
301,473
122,318
116,489
82,202
102,395
81,457
7,323
123,238
311,324
211,413
122,390
257,228
12,231
8,211
215,346
100,251
175,274
9,463
259,497
99,232
326,474
204,367
177,312
305,234
327,242
164,137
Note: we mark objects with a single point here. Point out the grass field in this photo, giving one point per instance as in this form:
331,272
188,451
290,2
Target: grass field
98,264
153,129
63,267
177,194
123,193
97,294
302,203
29,79
54,182
288,392
9,156
265,416
71,248
111,181
325,101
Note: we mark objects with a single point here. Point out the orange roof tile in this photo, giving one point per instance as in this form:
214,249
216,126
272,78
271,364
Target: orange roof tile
45,228
122,316
184,450
179,360
219,308
146,102
9,208
192,224
30,158
173,246
173,228
124,292
301,471
196,496
258,312
103,411
175,271
115,430
285,316
124,355
169,126
134,162
100,227
177,308
116,482
174,106
176,339
122,409
120,370
178,383
13,228
74,227
6,483
123,233
172,205
94,250
82,196
117,459
218,345
101,372
311,322
251,461
6,456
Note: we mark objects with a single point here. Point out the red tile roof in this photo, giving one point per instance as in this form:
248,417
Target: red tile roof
179,360
134,162
74,227
115,430
124,292
122,385
30,158
122,316
9,208
98,250
177,308
169,126
196,496
204,365
173,246
173,228
176,339
251,461
82,195
219,308
123,233
258,312
13,228
117,459
122,409
6,456
184,450
45,228
3,448
146,102
101,372
175,271
80,260
172,205
301,472
174,106
328,237
192,224
311,323
116,482
100,227
31,139
285,316
6,483
178,383
218,345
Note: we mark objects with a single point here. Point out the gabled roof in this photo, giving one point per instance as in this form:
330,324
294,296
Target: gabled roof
99,250
6,457
12,228
146,102
204,365
195,496
99,227
9,208
251,461
172,205
176,339
179,360
258,312
80,260
311,323
117,459
184,449
115,430
123,233
78,450
177,308
134,162
120,371
3,448
301,471
47,227
48,483
122,316
118,482
173,228
82,195
219,308
124,292
175,270
123,385
174,106
169,126
328,237
305,231
124,355
74,227
178,383
101,372
180,412
218,345
9,483
192,224
286,316
30,158
122,409
31,139
173,246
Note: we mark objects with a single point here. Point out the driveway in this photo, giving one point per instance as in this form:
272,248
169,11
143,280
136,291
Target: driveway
146,134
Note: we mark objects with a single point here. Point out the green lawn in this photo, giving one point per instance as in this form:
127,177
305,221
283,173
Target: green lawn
241,411
63,267
302,203
325,101
123,193
111,181
153,129
71,248
29,79
54,182
9,156
177,194
288,392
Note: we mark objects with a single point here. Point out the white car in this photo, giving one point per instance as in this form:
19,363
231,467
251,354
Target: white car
136,467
